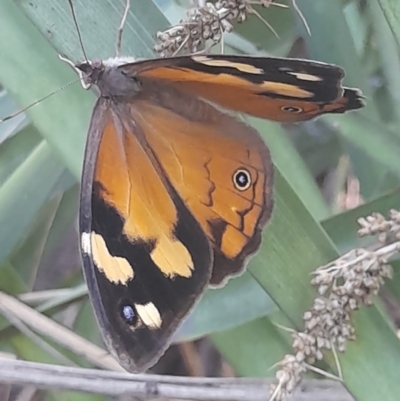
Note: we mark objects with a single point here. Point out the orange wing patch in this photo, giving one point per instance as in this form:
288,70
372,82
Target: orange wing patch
196,80
141,199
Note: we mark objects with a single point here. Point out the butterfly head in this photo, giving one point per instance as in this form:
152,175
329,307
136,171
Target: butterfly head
92,72
109,76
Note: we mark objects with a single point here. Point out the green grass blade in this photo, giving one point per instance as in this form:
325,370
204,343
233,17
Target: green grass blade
22,195
391,10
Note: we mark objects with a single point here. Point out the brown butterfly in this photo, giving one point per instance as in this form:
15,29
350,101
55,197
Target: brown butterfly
176,191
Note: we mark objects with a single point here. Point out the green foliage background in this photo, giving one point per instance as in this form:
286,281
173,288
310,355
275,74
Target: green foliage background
40,169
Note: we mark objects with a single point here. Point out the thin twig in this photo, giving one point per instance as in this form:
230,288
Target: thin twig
157,386
58,333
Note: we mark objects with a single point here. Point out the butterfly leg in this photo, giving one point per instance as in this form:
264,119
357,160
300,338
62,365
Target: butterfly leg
121,28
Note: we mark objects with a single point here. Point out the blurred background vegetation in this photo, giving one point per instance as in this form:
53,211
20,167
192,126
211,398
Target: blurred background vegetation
329,172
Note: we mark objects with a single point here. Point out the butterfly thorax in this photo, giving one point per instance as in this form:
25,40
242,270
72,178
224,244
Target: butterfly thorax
109,78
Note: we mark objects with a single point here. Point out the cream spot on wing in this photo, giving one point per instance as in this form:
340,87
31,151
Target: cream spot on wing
117,269
306,77
226,63
172,257
86,244
280,88
149,315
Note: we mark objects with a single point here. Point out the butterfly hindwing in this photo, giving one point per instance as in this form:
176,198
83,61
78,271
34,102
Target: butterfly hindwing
146,258
278,89
220,168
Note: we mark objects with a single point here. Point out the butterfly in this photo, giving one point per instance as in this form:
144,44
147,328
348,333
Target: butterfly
175,189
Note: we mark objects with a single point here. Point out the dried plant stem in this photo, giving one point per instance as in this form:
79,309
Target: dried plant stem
148,386
343,286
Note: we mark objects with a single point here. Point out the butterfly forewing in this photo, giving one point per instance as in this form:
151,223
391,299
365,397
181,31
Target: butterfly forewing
146,257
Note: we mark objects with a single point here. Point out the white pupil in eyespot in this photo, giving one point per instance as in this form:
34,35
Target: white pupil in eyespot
128,314
242,179
291,109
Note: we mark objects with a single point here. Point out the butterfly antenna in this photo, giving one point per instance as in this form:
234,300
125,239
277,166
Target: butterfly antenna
121,28
302,17
71,6
17,113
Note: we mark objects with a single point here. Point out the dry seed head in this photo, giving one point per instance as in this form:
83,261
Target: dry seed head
207,23
343,285
388,231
